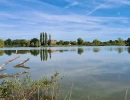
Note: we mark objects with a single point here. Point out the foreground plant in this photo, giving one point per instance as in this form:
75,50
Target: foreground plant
27,89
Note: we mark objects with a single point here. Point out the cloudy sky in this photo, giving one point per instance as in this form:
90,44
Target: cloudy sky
65,19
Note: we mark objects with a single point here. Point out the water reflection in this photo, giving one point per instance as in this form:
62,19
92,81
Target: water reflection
1,52
128,50
120,50
46,53
96,50
8,52
80,51
34,52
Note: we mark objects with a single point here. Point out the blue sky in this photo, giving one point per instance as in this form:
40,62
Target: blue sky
65,19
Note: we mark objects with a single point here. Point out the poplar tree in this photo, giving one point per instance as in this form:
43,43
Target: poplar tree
43,38
49,42
46,39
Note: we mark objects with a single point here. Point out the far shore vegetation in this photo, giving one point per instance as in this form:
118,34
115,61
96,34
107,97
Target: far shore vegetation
46,40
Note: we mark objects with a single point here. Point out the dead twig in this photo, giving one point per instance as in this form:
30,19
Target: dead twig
18,65
8,62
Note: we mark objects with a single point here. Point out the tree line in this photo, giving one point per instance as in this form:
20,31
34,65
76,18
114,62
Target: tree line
34,42
45,40
96,42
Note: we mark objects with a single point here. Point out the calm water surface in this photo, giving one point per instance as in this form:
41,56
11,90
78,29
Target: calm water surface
98,73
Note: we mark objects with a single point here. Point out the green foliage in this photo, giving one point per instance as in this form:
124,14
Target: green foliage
49,41
35,42
8,42
61,42
120,41
26,89
96,42
43,37
46,39
73,42
1,43
80,41
66,42
128,42
26,43
17,43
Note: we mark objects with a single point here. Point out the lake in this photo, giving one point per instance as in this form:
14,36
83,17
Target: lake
96,72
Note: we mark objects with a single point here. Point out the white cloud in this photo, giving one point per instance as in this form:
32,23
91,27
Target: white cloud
61,25
75,3
109,4
123,2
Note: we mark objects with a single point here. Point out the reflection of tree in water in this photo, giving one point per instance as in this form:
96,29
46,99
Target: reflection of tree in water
128,50
96,50
49,51
1,52
23,51
61,51
80,51
8,52
44,54
120,50
34,52
110,49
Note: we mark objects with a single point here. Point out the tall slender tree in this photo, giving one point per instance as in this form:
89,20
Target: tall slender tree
49,41
46,39
43,38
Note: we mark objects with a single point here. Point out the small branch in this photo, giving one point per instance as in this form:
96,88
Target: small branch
21,64
22,67
8,62
15,75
